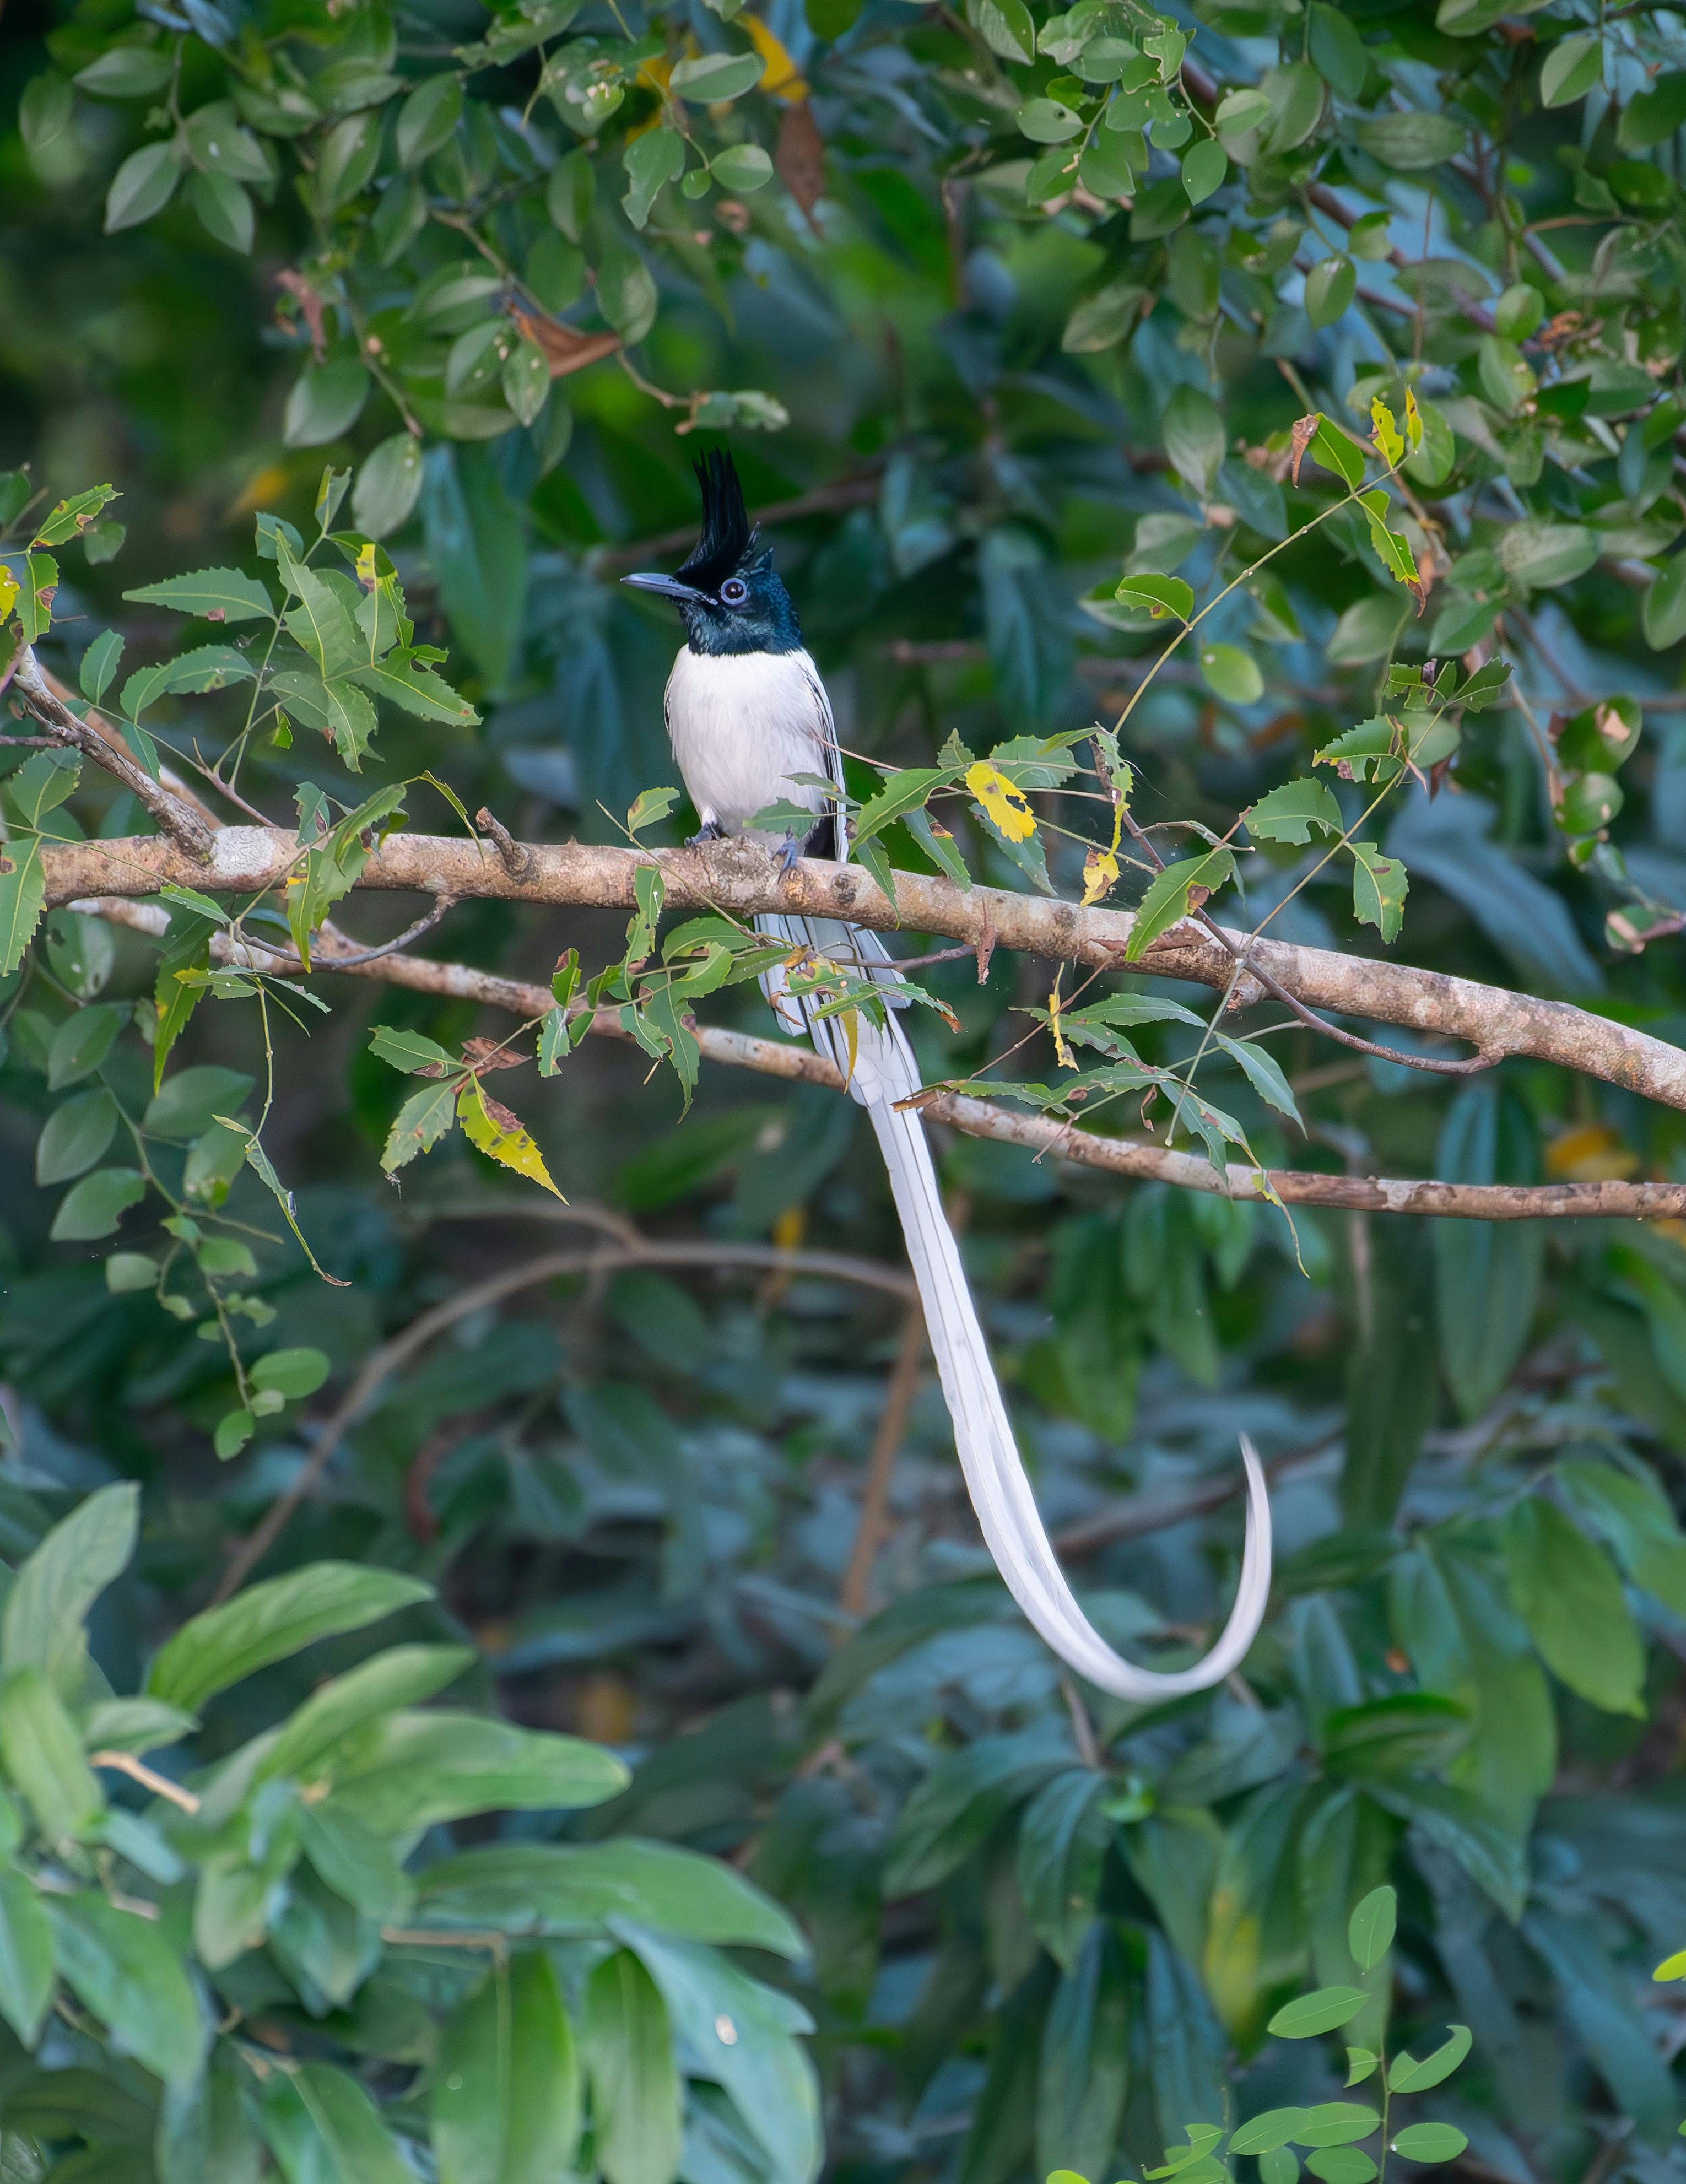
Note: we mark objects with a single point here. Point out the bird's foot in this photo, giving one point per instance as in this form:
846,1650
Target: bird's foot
709,831
789,856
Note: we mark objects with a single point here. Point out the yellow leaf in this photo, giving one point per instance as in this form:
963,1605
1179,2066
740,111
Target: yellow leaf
1007,806
1671,1968
1062,1052
782,78
1413,421
1100,875
365,565
8,591
1387,433
489,1124
851,1026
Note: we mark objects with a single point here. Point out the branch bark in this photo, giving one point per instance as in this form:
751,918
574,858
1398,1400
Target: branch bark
183,825
984,1118
736,877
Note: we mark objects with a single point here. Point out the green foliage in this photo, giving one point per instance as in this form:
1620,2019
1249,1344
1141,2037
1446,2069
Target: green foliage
233,1903
1297,389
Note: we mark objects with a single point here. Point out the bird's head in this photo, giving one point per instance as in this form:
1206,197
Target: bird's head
728,594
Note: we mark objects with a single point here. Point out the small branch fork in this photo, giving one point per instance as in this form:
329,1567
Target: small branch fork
175,818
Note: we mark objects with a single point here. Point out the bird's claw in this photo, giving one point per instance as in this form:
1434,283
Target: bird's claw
707,831
789,856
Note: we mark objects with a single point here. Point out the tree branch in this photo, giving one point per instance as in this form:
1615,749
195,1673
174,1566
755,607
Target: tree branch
984,1118
184,826
736,877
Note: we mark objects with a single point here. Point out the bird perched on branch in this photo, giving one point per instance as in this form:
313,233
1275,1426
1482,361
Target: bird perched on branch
752,729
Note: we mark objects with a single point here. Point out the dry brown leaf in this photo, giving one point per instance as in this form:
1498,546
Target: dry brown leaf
563,348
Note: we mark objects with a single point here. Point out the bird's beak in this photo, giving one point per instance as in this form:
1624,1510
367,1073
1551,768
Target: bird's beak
664,587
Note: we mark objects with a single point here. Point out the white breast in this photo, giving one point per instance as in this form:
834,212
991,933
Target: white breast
741,725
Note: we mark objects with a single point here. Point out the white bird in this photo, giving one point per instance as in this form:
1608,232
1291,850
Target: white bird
748,718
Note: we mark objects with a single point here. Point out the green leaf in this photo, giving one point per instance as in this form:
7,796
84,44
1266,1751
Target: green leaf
1379,885
1193,433
402,1676
417,690
23,891
1007,28
389,482
1567,1593
1342,2165
323,2129
409,1771
904,792
43,1757
652,161
75,1136
1204,164
418,1125
1430,2141
1063,1839
225,210
49,1600
27,1965
1324,2011
141,187
81,1043
568,1889
1288,813
191,1101
94,1206
427,121
1411,141
1569,69
1263,2134
122,1969
217,594
1663,616
1160,595
1334,2122
326,399
1330,287
506,2101
741,168
1369,1933
1405,2074
1231,674
294,1374
709,78
1170,897
127,72
270,1621
628,2055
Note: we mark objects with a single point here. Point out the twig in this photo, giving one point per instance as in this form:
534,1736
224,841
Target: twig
359,956
984,1118
553,1266
515,861
183,825
846,493
852,1596
125,1762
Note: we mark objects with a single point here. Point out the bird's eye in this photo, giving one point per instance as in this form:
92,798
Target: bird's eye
733,592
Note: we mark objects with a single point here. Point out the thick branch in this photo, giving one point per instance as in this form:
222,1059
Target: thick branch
983,1118
736,877
184,827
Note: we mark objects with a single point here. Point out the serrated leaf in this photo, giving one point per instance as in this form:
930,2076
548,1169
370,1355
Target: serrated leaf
217,594
501,1135
1379,886
1289,813
1168,898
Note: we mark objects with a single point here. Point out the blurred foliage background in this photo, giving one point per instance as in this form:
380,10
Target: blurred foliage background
978,343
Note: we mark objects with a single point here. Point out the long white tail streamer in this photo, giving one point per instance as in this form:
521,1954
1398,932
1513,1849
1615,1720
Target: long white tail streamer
883,1071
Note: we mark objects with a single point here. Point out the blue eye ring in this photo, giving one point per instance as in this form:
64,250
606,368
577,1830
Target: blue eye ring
733,592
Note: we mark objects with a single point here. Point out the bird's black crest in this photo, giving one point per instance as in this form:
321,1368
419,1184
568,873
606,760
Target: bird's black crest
726,536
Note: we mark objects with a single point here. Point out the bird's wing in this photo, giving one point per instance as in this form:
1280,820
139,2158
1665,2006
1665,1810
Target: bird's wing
825,729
